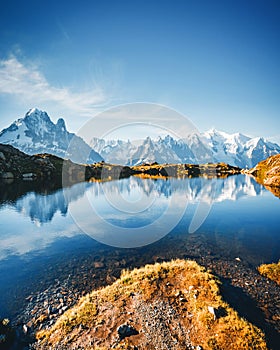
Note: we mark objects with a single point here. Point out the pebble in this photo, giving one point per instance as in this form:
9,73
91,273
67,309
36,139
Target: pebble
212,311
2,338
25,329
98,264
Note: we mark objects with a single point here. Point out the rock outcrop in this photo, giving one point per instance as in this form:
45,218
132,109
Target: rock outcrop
267,173
15,164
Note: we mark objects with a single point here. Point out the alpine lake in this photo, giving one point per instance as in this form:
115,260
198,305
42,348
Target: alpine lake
59,243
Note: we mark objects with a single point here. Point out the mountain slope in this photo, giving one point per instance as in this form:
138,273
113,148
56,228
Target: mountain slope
160,150
36,133
239,149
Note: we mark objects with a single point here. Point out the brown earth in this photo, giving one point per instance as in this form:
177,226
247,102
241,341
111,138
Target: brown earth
171,305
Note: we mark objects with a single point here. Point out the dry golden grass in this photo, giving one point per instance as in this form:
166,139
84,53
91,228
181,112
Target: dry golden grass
262,169
102,311
271,271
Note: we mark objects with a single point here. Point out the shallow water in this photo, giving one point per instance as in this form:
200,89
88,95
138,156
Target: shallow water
51,234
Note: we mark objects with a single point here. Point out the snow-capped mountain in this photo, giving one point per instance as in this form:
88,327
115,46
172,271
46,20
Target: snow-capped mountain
212,146
161,150
239,149
36,133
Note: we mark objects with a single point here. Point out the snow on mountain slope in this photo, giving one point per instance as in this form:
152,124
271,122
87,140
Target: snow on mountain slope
114,151
212,146
160,150
238,149
36,133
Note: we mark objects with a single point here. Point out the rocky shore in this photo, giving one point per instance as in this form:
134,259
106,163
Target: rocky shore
255,297
174,305
208,170
15,164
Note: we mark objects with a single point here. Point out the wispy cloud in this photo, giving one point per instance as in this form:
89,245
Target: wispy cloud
27,82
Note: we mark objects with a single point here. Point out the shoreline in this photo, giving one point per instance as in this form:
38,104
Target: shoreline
253,296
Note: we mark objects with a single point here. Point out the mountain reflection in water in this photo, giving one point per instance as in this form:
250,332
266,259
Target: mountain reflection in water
42,204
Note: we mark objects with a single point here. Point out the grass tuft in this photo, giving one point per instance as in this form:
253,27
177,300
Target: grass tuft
271,271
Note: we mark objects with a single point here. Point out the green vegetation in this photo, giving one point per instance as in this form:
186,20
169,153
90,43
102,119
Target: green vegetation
191,292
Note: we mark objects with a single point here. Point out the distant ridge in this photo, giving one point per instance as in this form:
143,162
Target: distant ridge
212,146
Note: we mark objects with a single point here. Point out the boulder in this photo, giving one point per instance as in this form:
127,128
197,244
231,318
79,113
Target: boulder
273,181
275,171
7,175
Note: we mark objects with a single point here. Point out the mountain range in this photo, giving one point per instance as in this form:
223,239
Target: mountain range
36,133
212,146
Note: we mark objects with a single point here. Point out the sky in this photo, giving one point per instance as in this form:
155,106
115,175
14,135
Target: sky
215,62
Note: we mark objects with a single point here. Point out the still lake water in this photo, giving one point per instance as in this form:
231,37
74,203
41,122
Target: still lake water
48,234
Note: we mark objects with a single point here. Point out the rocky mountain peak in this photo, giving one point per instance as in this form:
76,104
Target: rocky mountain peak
36,133
61,124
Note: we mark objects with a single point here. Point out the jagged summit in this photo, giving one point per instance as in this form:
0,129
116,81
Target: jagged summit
36,133
61,124
212,146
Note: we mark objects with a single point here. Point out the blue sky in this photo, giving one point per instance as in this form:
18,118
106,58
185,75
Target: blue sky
217,62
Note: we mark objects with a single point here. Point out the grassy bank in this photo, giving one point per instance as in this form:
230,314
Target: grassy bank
175,302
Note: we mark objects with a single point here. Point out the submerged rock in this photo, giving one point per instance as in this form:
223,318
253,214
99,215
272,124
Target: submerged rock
125,330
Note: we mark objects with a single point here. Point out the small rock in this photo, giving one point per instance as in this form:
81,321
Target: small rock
98,264
5,322
126,330
29,324
25,329
2,338
2,156
212,311
29,298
